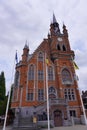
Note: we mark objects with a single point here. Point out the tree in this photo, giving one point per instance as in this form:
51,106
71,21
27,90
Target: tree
2,86
3,97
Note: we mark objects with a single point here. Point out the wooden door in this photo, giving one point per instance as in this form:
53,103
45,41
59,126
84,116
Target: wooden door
57,118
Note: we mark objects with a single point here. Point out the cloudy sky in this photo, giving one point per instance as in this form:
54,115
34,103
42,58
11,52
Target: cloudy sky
22,20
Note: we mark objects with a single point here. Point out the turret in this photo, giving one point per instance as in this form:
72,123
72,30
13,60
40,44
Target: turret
65,30
25,53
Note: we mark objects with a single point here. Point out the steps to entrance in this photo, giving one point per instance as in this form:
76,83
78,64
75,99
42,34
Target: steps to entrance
25,124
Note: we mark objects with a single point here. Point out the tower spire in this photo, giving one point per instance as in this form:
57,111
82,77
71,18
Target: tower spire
54,18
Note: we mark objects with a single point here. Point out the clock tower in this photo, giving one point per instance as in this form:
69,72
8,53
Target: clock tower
29,97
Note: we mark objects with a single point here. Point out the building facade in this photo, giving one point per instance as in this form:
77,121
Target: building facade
50,65
84,98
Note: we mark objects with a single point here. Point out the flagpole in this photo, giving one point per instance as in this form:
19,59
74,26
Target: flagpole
7,109
47,96
8,101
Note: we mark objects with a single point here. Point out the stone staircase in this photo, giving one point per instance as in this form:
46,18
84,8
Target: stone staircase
25,124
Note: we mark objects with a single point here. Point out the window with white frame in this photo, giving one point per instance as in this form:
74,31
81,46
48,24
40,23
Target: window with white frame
31,72
40,74
40,94
30,95
72,113
69,94
50,73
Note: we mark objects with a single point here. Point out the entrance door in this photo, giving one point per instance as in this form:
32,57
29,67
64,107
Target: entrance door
57,118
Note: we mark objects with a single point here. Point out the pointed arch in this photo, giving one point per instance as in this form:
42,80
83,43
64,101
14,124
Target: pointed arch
66,76
64,48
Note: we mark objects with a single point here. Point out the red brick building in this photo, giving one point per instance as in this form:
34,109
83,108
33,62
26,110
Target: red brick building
29,91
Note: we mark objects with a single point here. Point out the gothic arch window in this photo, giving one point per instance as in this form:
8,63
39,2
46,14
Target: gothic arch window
50,73
16,79
31,72
40,56
64,48
66,76
58,47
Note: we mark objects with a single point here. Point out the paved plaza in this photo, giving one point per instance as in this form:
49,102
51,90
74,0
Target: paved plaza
76,127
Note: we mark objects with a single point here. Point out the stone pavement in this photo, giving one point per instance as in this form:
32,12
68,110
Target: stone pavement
76,127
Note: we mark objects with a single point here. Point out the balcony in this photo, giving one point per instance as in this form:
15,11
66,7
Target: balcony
67,82
58,102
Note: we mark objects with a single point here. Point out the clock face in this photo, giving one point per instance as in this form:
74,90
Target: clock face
60,39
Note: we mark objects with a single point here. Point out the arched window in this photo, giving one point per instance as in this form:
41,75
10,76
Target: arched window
16,79
66,76
52,89
31,72
64,48
52,93
58,47
40,56
50,73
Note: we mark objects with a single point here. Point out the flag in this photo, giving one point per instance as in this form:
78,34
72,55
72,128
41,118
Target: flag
75,65
47,61
16,57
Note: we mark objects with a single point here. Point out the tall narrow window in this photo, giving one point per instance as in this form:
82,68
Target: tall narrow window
50,73
40,94
64,48
30,95
31,72
16,82
40,74
40,56
66,77
58,47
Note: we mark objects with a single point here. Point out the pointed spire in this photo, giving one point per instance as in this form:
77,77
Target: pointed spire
54,18
26,46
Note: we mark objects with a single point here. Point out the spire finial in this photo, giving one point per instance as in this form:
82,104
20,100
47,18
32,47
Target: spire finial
54,18
26,45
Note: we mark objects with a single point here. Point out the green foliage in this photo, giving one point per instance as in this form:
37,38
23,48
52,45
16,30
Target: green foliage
3,106
2,86
3,98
